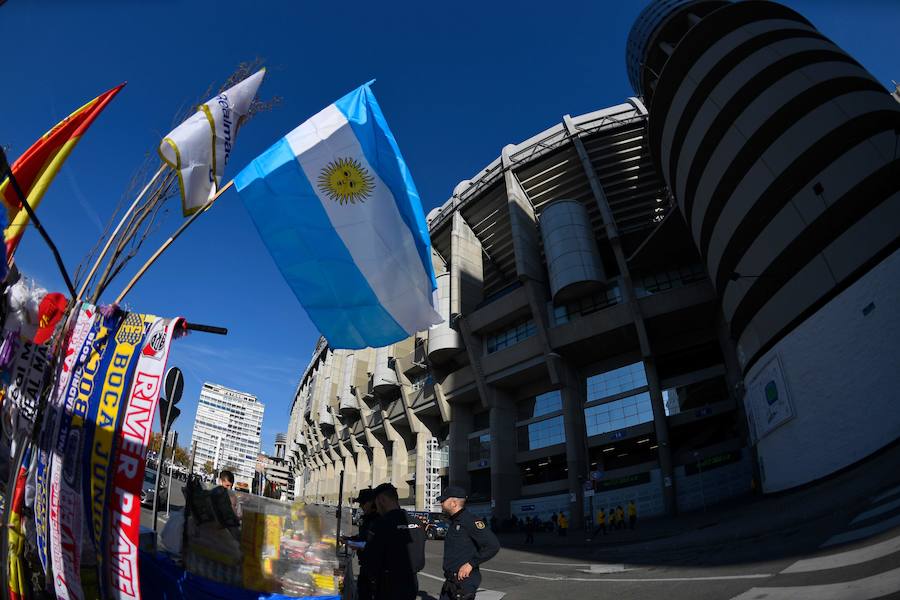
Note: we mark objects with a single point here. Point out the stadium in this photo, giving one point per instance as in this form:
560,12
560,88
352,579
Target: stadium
675,300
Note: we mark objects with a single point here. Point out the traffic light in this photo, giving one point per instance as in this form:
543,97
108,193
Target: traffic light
174,387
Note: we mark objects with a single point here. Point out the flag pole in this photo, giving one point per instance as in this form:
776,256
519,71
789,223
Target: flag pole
171,239
109,242
5,166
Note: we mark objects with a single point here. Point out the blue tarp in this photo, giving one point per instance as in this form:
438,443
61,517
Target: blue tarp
162,579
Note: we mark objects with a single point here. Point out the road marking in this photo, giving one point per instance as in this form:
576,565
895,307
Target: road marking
875,586
877,511
553,564
886,494
863,532
845,559
430,576
597,569
603,569
630,580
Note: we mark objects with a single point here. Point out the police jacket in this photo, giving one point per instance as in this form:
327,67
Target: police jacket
365,525
388,560
469,540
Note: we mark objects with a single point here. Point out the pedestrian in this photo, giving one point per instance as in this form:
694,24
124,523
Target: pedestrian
469,543
601,523
563,524
620,517
553,520
395,550
529,531
366,500
632,514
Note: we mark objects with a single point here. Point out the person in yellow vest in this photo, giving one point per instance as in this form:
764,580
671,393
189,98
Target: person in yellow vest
632,514
620,517
563,524
601,524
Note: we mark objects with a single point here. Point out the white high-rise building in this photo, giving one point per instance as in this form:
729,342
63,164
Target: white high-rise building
227,431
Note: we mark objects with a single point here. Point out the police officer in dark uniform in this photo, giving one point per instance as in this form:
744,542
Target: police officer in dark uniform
366,499
395,550
468,544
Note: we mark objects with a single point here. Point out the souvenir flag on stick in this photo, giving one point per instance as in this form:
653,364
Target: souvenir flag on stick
36,168
199,148
338,210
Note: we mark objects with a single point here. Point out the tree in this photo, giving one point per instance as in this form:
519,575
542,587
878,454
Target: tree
208,467
182,456
155,442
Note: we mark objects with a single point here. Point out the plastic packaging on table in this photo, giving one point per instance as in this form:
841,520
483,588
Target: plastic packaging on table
277,547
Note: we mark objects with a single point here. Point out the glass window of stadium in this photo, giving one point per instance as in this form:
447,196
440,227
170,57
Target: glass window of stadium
624,453
510,335
540,421
618,414
544,470
624,379
541,434
480,447
543,404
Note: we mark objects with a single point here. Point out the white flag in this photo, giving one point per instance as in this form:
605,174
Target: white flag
199,148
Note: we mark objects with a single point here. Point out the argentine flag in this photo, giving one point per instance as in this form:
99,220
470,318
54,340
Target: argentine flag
338,210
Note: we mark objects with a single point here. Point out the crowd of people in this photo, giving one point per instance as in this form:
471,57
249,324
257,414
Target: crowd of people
390,546
607,520
614,519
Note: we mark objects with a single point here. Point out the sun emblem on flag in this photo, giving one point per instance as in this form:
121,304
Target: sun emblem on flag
345,180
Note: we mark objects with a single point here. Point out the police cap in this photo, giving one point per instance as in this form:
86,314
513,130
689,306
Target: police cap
452,491
366,495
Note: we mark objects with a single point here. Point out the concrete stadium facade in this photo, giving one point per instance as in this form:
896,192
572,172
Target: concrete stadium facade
781,151
619,320
581,341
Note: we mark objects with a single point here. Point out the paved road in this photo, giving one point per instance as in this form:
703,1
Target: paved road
176,502
823,560
855,557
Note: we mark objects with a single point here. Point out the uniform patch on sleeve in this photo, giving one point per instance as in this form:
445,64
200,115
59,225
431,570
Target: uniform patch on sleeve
479,524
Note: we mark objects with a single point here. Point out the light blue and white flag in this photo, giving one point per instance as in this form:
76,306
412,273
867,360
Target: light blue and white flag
338,210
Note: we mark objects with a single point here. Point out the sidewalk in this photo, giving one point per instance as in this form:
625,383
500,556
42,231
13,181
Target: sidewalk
744,518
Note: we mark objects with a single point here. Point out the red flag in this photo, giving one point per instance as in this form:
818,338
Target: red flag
36,168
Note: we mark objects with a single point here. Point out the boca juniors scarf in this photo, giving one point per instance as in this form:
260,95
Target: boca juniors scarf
102,422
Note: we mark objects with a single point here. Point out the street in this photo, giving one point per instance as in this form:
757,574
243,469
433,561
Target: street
824,559
851,555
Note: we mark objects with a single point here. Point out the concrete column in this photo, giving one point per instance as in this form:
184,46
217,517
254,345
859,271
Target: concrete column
363,467
664,451
629,298
573,395
466,267
460,428
505,478
399,459
381,471
350,483
337,463
422,437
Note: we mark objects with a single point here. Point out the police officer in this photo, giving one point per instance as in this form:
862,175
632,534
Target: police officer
395,550
366,499
468,544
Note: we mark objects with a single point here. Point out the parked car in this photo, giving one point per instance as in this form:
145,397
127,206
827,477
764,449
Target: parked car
434,524
147,491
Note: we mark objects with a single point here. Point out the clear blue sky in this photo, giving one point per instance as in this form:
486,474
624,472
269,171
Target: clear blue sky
457,81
